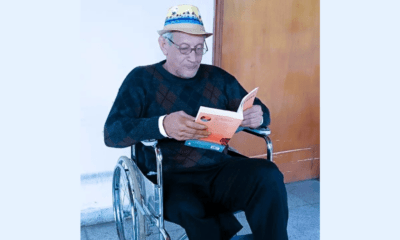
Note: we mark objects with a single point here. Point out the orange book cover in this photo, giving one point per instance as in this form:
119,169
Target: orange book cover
248,100
221,123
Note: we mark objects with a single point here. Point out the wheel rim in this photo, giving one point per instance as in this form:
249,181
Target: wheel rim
125,212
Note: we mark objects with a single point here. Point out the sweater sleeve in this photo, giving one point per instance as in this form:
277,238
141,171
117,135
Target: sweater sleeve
235,92
125,124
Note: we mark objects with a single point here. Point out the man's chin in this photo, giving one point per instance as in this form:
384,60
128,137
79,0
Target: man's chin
188,74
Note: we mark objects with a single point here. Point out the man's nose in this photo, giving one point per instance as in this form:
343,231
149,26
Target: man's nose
192,56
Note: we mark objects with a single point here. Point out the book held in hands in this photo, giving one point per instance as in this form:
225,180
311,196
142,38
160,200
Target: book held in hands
222,124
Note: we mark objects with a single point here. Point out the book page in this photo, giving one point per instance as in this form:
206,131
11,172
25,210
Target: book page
221,127
248,100
214,111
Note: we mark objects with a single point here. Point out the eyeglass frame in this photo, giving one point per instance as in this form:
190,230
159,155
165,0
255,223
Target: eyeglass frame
191,49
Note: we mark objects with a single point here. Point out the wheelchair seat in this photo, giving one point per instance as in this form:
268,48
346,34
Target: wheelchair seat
138,198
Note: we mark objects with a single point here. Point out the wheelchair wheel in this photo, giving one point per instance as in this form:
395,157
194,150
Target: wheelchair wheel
129,221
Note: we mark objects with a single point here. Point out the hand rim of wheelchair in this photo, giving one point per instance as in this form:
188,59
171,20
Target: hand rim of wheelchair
123,170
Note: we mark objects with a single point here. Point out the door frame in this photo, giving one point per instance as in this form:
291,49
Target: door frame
218,27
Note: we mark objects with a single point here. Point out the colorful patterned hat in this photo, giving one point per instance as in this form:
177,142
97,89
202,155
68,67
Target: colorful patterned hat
184,18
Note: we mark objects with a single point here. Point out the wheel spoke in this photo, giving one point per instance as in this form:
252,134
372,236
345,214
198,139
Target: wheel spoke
126,205
127,216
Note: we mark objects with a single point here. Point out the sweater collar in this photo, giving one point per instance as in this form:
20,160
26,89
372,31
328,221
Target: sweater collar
173,78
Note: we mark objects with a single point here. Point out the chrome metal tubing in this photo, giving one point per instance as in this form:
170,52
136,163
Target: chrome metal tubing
269,148
116,202
139,206
160,190
260,132
264,133
133,152
164,234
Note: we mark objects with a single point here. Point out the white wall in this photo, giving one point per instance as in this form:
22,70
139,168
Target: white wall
117,36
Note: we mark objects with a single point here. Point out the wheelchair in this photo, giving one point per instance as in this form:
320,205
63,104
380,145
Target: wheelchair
138,202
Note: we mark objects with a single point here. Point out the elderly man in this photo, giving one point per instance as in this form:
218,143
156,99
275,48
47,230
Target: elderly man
202,188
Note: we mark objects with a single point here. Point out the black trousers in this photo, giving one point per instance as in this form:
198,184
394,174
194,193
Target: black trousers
203,201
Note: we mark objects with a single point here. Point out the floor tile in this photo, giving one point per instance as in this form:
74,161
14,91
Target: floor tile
304,223
315,205
295,201
105,231
83,234
307,191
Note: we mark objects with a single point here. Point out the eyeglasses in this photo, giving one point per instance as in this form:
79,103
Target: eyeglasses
186,49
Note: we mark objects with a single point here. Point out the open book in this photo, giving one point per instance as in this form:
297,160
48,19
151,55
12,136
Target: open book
221,123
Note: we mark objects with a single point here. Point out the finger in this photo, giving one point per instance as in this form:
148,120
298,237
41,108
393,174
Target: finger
250,111
185,115
245,123
198,136
203,133
194,131
253,108
252,115
254,122
258,108
195,125
186,136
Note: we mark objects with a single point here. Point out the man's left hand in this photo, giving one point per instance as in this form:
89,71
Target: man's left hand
252,117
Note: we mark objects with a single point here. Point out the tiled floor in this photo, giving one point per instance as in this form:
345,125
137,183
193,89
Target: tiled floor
303,201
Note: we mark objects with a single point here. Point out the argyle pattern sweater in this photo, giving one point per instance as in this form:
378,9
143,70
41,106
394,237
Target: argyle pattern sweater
149,92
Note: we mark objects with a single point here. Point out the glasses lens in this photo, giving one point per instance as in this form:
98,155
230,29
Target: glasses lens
184,48
199,50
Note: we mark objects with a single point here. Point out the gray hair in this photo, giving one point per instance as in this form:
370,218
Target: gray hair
168,35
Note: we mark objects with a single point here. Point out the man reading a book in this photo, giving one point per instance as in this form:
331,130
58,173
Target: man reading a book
202,188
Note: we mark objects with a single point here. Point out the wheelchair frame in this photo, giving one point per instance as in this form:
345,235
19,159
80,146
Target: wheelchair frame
144,208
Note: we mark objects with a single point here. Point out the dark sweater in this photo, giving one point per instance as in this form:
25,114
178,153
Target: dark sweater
149,92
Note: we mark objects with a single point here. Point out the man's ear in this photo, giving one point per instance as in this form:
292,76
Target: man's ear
163,45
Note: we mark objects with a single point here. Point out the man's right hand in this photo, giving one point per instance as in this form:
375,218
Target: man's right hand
181,126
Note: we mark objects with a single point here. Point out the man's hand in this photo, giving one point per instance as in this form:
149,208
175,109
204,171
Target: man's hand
181,126
252,117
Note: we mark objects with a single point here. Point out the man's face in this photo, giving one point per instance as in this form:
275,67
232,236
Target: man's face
184,66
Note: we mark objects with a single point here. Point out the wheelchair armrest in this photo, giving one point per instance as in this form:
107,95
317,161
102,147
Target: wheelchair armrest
154,143
263,133
260,132
150,142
